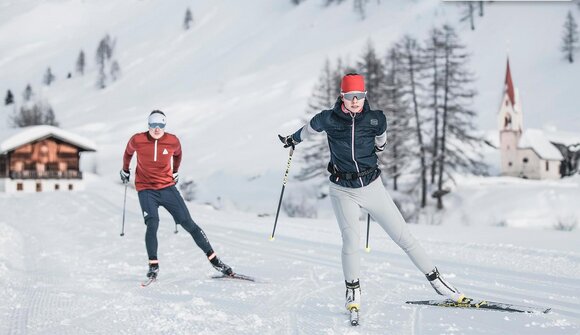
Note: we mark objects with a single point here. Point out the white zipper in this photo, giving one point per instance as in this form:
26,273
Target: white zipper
155,153
352,150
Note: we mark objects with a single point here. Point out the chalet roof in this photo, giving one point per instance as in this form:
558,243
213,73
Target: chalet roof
11,139
509,84
536,140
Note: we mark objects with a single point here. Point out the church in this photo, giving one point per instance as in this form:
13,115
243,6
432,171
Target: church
532,153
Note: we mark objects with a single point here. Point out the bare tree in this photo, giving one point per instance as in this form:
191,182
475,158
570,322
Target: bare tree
468,14
38,113
412,63
27,94
188,189
570,38
433,56
398,155
315,153
115,70
459,146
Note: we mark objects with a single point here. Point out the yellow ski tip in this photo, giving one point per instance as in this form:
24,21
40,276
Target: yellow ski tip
271,238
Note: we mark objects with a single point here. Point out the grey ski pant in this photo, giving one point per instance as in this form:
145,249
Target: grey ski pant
347,202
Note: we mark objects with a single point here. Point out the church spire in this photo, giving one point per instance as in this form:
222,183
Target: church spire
509,84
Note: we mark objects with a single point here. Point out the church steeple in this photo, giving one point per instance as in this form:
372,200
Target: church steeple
510,115
509,84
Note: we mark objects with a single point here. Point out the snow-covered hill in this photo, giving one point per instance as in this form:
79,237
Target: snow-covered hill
245,70
64,269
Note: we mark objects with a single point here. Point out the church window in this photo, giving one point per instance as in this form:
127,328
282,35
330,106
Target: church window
547,166
525,160
510,164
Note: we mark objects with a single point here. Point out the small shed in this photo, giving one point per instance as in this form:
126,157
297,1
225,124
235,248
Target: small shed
41,158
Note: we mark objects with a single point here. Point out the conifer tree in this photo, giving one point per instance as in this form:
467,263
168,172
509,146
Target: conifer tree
9,99
48,77
80,64
104,54
570,38
188,20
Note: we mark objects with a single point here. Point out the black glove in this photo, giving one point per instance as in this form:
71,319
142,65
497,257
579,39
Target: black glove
288,141
125,175
175,177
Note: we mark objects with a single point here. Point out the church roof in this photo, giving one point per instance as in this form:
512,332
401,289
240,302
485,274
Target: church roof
536,140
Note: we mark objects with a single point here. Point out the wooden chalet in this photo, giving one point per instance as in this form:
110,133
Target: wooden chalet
41,158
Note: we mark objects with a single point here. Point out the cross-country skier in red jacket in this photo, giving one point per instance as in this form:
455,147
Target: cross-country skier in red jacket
158,160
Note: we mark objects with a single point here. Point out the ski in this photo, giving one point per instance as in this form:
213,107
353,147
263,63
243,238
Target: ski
354,316
481,304
234,276
148,282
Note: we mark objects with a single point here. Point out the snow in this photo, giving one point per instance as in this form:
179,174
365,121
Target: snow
64,269
536,140
239,77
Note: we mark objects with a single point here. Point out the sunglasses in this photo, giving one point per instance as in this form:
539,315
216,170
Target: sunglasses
357,95
157,125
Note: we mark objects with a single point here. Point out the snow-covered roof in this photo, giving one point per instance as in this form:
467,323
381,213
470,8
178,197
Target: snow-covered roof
564,137
536,140
11,139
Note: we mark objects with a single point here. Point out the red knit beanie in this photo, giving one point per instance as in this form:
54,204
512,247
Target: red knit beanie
352,82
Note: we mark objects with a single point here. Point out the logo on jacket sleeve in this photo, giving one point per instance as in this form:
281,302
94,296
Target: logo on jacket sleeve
165,152
374,122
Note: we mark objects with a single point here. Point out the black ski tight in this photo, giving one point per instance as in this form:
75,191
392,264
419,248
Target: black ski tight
171,200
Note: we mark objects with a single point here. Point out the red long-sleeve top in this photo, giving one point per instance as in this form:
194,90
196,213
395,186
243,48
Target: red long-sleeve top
157,160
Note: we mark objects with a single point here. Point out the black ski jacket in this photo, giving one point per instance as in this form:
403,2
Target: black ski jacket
351,138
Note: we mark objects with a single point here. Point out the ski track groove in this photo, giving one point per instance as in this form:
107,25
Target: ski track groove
523,289
47,292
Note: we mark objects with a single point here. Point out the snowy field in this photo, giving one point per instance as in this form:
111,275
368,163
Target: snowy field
64,269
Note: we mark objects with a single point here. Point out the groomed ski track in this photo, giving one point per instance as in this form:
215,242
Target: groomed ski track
64,269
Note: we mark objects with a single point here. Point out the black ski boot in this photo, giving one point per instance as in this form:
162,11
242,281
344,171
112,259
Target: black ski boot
221,266
153,271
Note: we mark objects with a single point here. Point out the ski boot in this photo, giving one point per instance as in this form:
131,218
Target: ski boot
221,266
352,295
442,287
153,271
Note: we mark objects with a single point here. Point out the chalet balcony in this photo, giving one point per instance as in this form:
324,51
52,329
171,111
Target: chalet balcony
33,174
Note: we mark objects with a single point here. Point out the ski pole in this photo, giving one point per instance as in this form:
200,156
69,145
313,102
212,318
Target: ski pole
282,192
124,204
367,248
